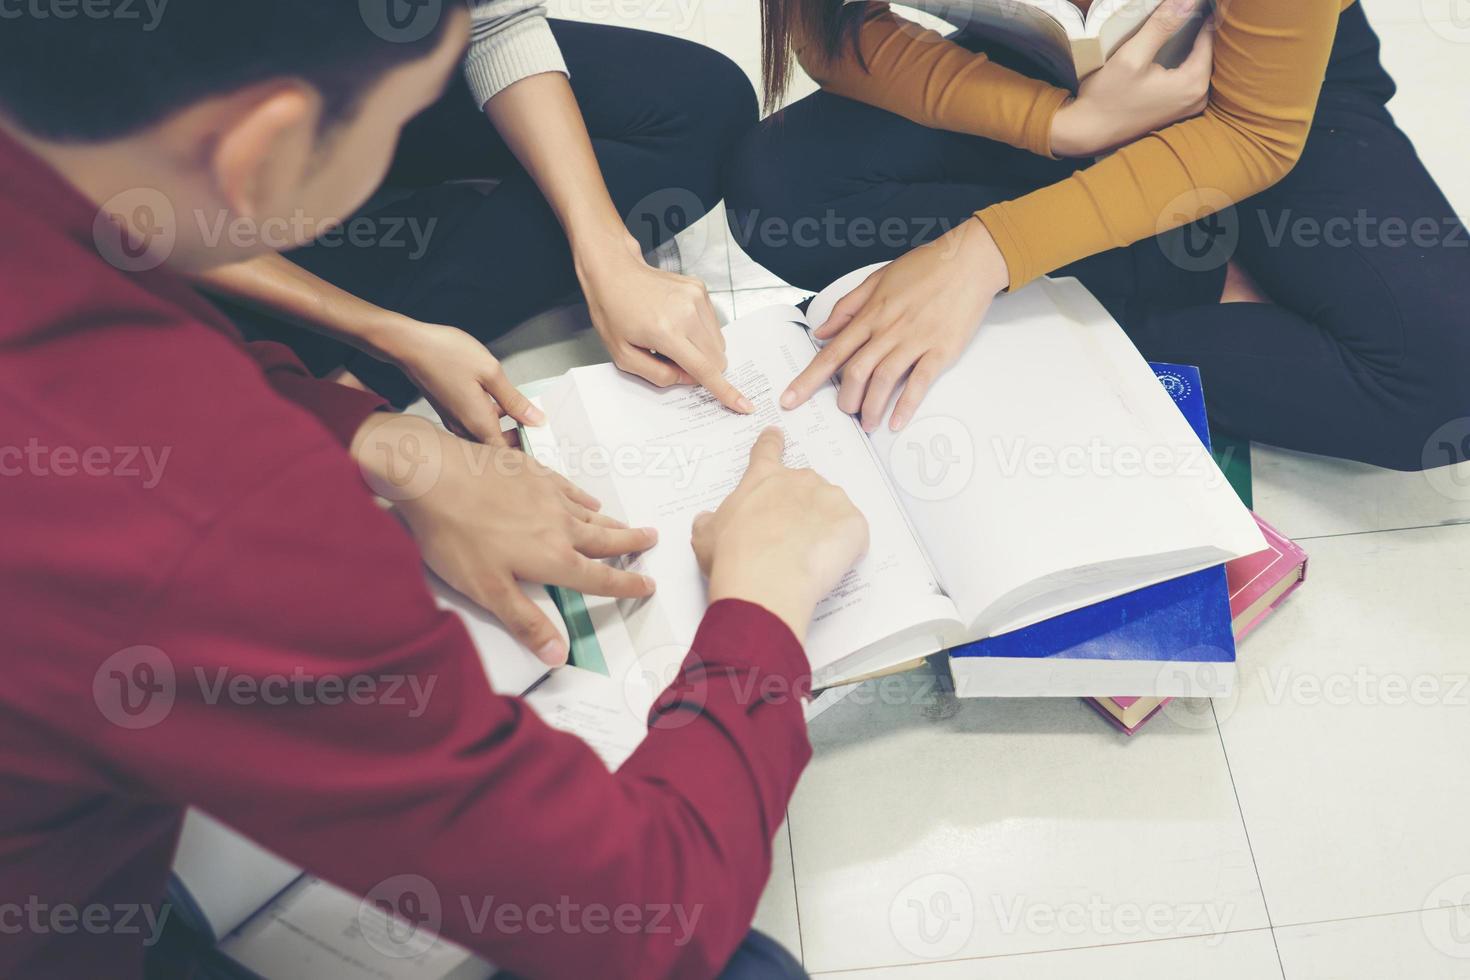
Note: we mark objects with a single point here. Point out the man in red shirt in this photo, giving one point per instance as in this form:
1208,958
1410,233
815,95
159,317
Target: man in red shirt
175,505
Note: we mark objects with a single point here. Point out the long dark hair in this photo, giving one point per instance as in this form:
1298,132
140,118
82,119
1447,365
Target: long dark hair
828,25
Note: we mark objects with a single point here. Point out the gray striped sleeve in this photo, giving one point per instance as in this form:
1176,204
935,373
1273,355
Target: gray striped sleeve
510,40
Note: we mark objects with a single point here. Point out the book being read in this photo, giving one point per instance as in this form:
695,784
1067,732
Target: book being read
1058,35
1046,470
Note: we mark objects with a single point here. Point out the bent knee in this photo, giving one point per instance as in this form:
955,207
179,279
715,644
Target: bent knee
1426,425
771,199
753,177
1428,436
712,94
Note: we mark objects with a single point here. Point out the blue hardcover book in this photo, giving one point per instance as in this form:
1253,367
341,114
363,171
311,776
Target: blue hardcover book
1173,639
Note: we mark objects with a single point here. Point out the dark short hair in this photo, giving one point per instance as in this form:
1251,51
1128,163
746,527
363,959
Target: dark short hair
91,70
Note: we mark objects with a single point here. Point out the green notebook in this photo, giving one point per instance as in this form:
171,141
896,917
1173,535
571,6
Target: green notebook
1233,456
585,651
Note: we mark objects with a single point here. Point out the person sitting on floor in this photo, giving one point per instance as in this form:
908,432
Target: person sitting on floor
254,552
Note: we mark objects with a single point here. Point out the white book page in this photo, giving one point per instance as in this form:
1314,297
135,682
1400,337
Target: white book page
1048,469
1043,30
317,931
510,667
1114,22
676,452
602,711
227,875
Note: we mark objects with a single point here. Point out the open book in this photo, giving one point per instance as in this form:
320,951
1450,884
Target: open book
1046,471
274,921
1057,34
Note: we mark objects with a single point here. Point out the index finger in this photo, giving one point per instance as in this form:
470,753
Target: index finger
822,367
1166,21
595,578
705,372
1202,57
849,306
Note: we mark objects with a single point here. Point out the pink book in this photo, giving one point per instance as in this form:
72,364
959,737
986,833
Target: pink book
1258,584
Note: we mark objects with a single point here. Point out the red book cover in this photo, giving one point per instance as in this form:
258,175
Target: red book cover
1258,584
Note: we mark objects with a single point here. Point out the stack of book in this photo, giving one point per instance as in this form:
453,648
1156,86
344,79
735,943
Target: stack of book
1176,638
1258,585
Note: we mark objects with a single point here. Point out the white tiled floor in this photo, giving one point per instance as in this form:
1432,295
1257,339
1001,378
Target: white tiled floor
1314,827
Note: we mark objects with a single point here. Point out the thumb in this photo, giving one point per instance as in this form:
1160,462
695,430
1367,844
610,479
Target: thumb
482,422
766,453
637,361
1169,19
526,622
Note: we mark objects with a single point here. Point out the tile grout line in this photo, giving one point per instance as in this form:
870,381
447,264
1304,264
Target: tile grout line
1383,530
1370,915
730,263
795,893
1250,848
1143,942
1040,952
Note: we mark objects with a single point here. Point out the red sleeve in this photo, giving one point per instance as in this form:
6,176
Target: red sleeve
340,408
512,838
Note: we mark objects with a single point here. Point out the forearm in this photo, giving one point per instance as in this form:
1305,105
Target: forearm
930,80
276,285
1270,62
471,794
1148,188
539,120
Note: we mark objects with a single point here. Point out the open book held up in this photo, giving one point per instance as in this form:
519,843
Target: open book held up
1057,35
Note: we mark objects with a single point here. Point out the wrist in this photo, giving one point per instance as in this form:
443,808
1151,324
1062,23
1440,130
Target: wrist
790,605
381,334
401,457
983,254
603,252
1070,131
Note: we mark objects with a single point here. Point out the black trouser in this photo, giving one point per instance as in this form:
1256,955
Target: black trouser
1366,354
184,954
663,113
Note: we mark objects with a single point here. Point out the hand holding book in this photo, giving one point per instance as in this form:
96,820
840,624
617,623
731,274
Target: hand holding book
1133,94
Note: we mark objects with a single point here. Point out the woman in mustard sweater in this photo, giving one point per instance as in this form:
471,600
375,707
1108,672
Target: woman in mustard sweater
1324,294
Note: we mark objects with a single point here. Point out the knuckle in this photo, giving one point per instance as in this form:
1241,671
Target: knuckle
495,590
552,536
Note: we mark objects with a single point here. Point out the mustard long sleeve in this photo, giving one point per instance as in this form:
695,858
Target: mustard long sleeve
919,75
1270,60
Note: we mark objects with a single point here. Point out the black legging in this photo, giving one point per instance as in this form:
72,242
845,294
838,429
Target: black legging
664,115
1367,353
